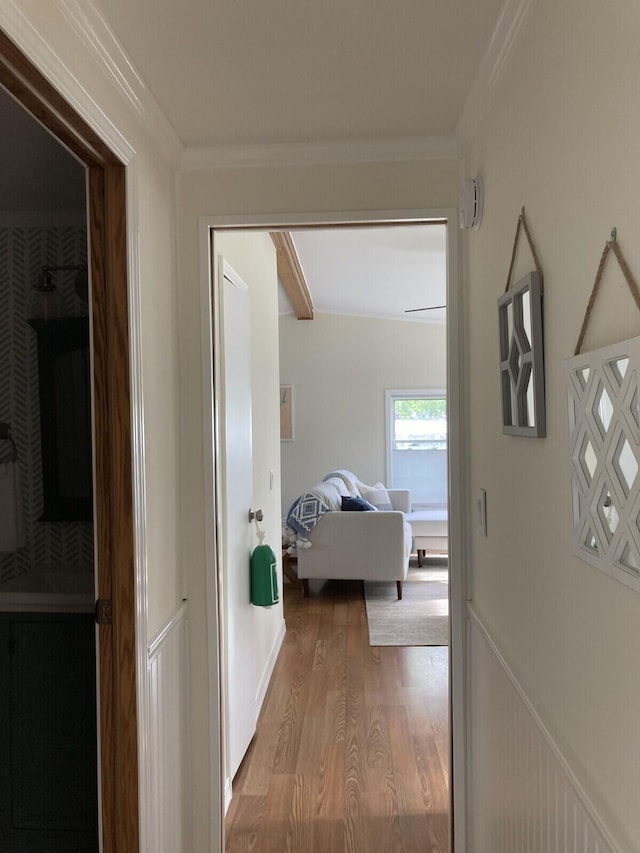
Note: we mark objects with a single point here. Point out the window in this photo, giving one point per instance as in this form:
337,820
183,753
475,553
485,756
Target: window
417,445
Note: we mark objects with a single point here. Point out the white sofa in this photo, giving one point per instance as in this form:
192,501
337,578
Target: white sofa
356,545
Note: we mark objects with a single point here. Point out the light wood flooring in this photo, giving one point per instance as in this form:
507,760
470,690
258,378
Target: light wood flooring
351,751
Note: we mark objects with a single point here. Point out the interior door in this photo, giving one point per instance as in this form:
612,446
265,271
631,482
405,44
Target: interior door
237,494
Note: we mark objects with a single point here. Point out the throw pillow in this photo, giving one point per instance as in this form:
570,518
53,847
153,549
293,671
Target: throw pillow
350,504
378,496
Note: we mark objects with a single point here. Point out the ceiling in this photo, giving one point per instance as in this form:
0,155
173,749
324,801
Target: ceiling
309,72
263,72
229,72
374,272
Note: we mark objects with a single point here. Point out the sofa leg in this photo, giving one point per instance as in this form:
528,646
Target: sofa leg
420,553
305,587
399,585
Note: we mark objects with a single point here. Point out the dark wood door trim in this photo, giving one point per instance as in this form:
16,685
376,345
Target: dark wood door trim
113,494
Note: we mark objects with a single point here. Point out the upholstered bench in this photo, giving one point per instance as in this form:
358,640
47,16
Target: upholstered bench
430,531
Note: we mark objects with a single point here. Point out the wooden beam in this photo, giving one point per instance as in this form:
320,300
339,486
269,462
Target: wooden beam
291,275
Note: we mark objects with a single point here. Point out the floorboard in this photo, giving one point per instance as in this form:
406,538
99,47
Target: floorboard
350,754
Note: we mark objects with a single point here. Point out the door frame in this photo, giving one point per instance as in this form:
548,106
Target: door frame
457,464
40,82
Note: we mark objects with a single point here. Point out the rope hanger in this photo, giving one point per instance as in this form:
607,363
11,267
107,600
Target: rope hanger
522,223
610,245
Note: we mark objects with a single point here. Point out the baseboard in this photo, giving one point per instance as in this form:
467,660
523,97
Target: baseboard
269,667
523,793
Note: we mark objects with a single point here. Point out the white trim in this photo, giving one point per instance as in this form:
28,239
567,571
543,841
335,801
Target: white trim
105,48
507,30
174,622
291,221
15,22
269,667
551,743
220,785
139,499
458,531
457,481
196,158
228,793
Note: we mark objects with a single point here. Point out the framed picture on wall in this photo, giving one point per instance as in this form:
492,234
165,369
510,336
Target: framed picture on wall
286,413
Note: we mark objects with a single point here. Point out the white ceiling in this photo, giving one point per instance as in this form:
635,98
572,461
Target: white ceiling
374,272
312,72
286,72
306,71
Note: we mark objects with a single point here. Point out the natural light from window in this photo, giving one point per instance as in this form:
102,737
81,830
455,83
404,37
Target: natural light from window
417,445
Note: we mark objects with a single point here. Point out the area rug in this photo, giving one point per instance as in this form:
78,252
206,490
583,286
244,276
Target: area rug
421,618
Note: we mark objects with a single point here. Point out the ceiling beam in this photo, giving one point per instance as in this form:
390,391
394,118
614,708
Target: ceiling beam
291,275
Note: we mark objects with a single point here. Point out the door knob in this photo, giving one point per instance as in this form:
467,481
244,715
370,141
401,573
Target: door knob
258,515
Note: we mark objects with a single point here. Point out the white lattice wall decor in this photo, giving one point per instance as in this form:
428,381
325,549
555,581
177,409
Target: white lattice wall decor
604,440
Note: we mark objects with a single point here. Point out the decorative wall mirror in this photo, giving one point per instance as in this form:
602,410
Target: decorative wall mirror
604,441
65,418
521,358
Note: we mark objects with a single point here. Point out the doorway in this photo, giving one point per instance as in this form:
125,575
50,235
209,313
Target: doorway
117,780
455,467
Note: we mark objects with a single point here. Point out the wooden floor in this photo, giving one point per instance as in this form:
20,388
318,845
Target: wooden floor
351,752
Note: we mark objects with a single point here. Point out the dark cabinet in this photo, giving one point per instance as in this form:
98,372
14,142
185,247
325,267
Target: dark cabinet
48,782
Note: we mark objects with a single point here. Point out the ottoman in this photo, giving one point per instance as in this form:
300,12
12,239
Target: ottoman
430,531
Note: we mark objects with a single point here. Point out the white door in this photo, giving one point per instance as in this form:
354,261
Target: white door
237,495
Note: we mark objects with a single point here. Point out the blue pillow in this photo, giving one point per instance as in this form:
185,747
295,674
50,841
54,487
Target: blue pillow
350,504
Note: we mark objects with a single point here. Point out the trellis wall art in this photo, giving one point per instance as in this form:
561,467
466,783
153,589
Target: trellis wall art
604,446
521,349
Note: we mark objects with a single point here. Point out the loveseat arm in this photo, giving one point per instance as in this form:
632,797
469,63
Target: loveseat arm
400,499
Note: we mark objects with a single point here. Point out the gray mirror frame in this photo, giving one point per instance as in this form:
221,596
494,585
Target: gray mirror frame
522,360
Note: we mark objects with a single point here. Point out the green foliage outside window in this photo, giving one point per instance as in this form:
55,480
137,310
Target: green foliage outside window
425,409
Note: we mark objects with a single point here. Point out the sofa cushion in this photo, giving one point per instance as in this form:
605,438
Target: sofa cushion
378,496
352,504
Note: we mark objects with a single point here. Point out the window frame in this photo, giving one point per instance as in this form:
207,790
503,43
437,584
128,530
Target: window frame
390,396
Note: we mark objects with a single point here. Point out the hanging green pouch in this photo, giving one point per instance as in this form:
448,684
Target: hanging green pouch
264,577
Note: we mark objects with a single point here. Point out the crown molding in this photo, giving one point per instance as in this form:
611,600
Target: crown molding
505,35
33,43
305,154
103,45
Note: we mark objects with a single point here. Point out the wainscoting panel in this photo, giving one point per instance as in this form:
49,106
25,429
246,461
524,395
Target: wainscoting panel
168,737
524,797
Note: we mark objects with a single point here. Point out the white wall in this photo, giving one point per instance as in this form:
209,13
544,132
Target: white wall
561,139
340,367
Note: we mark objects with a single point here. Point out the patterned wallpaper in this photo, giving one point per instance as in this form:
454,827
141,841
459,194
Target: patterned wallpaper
23,252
